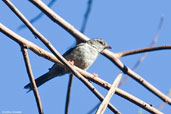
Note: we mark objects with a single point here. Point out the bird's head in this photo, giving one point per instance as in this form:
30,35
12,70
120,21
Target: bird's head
98,44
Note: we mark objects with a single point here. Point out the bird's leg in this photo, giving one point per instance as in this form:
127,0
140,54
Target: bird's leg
71,62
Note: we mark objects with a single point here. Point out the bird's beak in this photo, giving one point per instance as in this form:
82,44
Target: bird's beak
108,47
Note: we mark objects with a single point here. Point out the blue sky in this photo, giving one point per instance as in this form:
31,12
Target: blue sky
125,25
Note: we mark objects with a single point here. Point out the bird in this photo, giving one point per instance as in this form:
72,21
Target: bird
82,55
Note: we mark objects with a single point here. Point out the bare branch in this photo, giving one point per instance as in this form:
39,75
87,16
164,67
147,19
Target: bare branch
156,36
121,54
93,109
68,93
31,77
142,50
57,19
113,57
71,76
109,95
86,15
121,93
161,106
27,23
136,76
37,17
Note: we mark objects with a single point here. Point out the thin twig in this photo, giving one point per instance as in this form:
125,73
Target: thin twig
82,30
93,109
71,76
161,106
86,15
26,22
109,95
37,17
41,52
74,32
31,77
68,93
144,50
156,36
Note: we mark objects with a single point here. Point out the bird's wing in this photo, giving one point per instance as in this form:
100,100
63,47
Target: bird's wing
68,52
65,55
71,49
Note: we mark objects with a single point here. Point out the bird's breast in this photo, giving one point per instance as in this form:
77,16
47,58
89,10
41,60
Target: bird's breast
83,56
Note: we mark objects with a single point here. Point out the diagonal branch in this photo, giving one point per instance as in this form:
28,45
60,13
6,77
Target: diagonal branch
57,19
41,52
113,57
38,16
121,93
136,76
161,106
109,95
31,77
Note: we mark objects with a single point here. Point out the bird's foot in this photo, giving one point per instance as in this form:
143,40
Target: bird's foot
95,75
71,63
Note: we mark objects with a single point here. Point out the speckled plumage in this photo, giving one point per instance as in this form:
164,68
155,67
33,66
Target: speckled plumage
83,55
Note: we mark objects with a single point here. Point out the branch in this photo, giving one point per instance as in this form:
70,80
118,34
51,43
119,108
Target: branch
41,52
109,95
93,109
113,57
142,50
57,19
136,76
121,54
71,76
68,93
121,93
161,106
86,16
37,17
34,31
31,77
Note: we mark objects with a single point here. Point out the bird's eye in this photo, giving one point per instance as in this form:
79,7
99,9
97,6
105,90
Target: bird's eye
101,42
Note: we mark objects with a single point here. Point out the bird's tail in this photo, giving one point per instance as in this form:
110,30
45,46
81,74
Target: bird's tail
39,81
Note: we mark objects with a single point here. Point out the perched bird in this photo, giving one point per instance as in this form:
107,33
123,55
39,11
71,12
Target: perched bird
83,56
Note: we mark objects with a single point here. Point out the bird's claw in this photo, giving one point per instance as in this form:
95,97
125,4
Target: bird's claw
95,75
71,63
